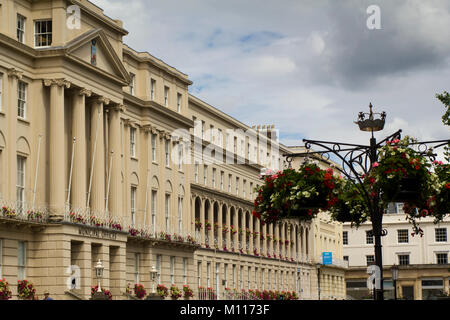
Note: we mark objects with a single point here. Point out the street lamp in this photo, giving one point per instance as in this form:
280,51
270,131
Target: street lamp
357,160
153,273
394,271
99,274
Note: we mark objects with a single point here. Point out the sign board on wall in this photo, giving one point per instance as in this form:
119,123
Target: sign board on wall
327,258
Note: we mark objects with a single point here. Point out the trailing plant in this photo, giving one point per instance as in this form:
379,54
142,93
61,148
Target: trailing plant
25,289
162,290
5,292
175,293
139,291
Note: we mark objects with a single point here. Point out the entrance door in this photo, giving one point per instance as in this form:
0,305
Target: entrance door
408,292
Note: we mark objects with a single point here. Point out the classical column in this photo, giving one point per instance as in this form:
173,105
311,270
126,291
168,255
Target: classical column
57,164
219,230
236,226
250,239
244,234
211,221
97,157
115,191
264,234
11,115
228,222
78,192
258,228
202,220
277,236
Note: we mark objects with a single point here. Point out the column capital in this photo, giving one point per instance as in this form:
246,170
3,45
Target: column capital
117,107
85,92
101,99
56,82
148,128
14,73
128,122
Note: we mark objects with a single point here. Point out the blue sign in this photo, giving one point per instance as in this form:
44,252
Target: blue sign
327,258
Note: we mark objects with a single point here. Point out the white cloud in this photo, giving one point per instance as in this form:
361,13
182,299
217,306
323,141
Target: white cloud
286,64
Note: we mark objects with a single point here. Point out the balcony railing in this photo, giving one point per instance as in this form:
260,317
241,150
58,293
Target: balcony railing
22,211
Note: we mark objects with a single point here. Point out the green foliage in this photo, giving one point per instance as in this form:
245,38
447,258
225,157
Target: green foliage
445,99
295,193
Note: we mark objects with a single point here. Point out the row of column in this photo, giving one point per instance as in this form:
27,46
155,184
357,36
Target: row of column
80,197
298,241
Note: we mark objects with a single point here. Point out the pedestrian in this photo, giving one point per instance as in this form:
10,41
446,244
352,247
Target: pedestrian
47,295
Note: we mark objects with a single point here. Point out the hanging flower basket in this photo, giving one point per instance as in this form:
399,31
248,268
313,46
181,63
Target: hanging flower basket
350,205
107,293
139,291
5,292
25,290
175,293
162,290
401,174
187,292
295,193
198,224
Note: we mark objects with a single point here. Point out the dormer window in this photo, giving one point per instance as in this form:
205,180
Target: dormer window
43,33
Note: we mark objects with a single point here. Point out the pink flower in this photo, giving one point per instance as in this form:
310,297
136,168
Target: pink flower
375,164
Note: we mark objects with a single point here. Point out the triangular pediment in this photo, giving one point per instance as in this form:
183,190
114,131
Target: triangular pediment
93,48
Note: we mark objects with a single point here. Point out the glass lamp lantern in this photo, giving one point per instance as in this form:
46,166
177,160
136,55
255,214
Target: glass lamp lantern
99,273
153,273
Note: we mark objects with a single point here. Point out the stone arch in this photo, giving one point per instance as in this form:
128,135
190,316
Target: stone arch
181,192
169,187
134,179
23,146
2,141
155,183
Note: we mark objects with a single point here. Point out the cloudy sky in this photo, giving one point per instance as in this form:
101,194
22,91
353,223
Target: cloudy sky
306,66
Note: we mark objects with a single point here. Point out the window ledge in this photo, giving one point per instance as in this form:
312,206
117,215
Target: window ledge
25,121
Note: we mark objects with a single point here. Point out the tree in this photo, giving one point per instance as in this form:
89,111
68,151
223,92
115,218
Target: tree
445,99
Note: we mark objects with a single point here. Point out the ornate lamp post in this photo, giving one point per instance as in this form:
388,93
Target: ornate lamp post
358,160
99,274
99,295
153,273
153,295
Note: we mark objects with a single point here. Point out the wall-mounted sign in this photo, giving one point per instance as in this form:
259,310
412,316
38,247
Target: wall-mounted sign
327,258
97,233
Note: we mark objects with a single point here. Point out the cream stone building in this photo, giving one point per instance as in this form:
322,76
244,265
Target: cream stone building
105,155
424,270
